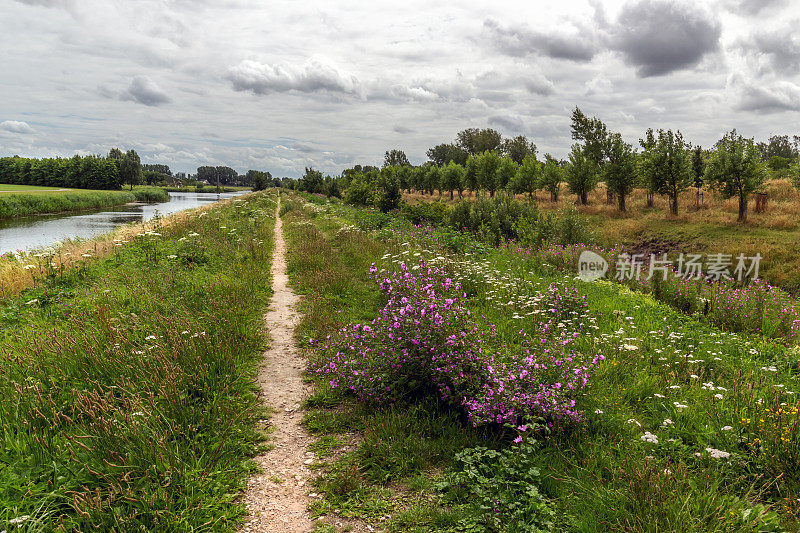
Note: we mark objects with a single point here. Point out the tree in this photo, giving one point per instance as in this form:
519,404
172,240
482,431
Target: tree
698,166
666,165
581,173
518,148
116,154
735,169
552,176
506,171
619,172
395,158
488,164
778,146
527,177
471,175
258,180
593,133
130,168
453,178
311,181
433,177
442,154
477,141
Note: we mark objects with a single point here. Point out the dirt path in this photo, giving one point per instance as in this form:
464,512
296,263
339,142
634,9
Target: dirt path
276,498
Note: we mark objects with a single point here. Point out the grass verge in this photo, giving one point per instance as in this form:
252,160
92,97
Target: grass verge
26,203
127,401
685,427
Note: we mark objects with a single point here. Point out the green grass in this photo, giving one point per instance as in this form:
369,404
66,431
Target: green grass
127,401
20,203
6,188
662,374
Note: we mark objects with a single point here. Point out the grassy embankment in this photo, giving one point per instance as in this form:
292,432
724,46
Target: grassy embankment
21,271
661,414
713,228
19,201
127,401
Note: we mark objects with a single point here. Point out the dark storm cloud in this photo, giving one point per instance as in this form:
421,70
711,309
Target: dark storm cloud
521,40
313,76
661,37
778,49
144,91
402,129
512,123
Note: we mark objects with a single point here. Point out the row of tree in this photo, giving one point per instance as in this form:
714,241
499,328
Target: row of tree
481,160
80,172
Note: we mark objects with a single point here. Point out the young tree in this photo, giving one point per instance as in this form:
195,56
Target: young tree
552,176
698,166
619,172
471,175
735,169
646,179
667,166
518,148
581,173
395,158
453,178
527,177
593,133
488,164
130,168
433,179
506,171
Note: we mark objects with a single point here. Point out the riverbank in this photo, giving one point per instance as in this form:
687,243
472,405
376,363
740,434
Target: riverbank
27,269
127,401
30,201
206,188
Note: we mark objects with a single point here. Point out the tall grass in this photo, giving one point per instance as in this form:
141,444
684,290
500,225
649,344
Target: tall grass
127,402
19,205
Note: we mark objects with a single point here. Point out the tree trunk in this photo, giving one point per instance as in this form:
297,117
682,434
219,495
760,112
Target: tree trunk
491,193
742,207
674,204
584,199
553,197
451,194
649,198
622,202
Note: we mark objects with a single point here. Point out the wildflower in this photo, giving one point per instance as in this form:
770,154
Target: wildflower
649,437
717,454
19,519
727,428
667,422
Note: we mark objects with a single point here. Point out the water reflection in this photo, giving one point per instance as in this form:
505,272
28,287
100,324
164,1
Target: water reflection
31,233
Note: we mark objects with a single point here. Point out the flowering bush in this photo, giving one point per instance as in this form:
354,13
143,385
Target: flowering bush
425,341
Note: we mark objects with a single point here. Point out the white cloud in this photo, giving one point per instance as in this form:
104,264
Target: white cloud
16,126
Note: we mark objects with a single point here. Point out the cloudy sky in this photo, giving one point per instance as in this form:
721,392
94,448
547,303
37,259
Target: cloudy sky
281,85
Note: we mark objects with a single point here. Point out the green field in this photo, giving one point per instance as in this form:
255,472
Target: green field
684,427
30,189
22,200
